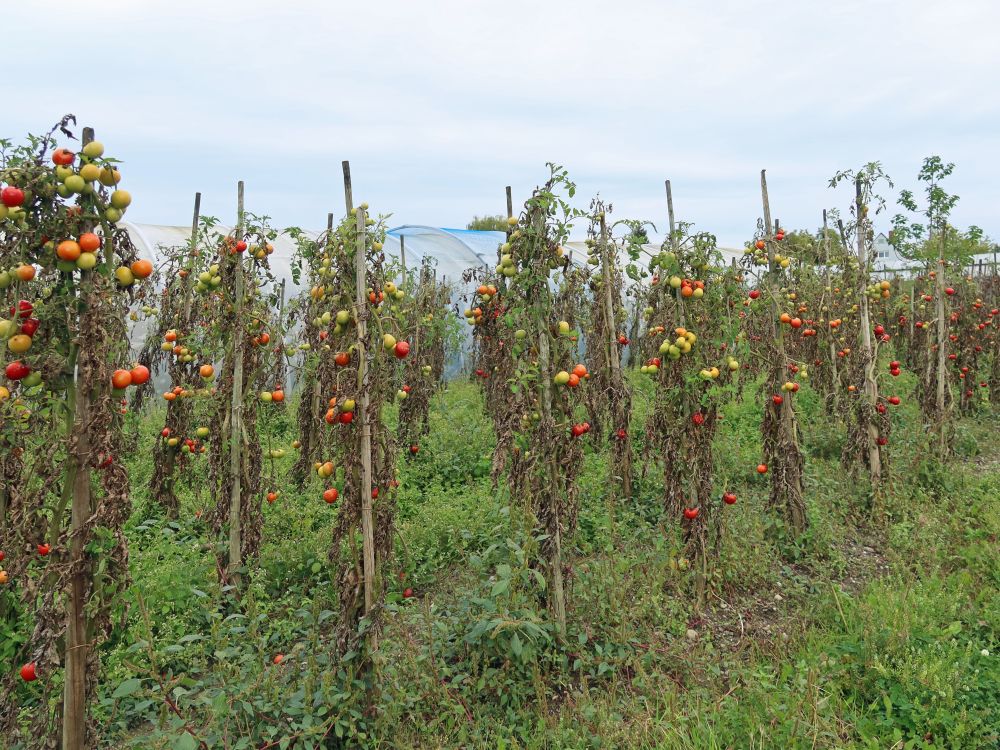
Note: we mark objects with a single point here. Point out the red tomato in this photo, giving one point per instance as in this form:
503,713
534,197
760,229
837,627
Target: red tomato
11,196
121,379
140,374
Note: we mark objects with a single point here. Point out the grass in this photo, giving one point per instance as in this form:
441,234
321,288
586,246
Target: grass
879,629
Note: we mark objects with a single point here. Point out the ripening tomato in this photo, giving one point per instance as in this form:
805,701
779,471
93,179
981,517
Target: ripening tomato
11,196
63,157
89,242
68,250
762,468
19,343
17,370
121,379
342,359
207,372
25,272
140,374
401,349
330,495
141,268
278,396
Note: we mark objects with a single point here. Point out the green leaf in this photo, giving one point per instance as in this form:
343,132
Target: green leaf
185,742
515,646
127,688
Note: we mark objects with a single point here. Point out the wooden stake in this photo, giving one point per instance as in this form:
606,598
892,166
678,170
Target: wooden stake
609,313
236,427
834,376
348,190
942,340
74,727
367,522
794,511
871,386
673,247
402,260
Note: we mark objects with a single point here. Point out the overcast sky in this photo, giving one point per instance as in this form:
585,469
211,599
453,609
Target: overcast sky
439,105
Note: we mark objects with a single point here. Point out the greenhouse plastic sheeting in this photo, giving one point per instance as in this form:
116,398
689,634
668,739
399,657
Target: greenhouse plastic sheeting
453,252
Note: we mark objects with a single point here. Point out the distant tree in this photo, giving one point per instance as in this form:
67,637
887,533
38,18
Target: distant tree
639,235
496,223
809,246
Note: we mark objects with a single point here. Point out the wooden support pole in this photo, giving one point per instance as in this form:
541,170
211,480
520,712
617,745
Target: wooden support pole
348,188
793,508
942,341
867,350
674,248
74,726
402,261
834,376
236,412
614,356
367,521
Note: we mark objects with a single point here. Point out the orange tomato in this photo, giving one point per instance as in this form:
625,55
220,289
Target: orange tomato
25,272
140,374
574,380
169,396
141,268
278,396
89,242
206,371
68,250
580,371
121,379
170,336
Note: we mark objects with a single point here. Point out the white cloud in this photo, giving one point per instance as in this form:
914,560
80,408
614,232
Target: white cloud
440,104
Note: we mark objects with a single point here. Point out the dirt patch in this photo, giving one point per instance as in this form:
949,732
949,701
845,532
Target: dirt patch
747,623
